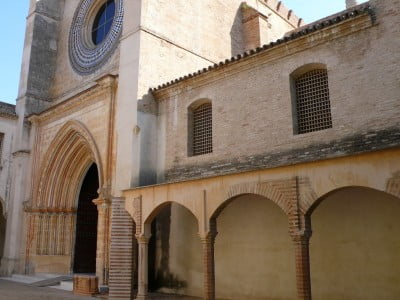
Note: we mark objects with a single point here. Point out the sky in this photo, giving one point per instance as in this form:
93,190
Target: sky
13,24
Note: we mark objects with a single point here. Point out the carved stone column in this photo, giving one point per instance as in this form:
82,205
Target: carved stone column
103,223
207,242
143,242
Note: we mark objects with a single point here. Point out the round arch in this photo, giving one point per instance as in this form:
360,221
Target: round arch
272,191
253,246
355,244
318,200
69,156
174,249
156,210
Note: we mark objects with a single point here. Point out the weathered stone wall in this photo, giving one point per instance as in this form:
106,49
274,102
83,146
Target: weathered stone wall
66,81
7,127
211,29
252,102
46,207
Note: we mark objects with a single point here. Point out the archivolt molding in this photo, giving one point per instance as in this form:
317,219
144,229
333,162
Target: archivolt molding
68,157
281,192
294,196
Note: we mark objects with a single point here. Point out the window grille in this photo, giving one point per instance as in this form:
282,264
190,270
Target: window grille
202,129
312,101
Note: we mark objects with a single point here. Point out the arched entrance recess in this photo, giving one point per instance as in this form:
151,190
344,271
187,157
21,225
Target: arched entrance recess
2,228
86,224
253,247
355,246
65,165
175,253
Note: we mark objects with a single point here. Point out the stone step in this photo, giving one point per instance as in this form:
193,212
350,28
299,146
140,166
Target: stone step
64,285
52,281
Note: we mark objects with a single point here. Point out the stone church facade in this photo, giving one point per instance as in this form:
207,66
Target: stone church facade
216,149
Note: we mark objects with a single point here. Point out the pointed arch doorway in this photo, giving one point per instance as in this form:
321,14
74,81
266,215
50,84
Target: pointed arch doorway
86,224
65,237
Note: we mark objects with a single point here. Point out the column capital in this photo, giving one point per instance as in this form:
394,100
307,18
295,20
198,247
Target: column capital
299,227
208,237
102,203
142,239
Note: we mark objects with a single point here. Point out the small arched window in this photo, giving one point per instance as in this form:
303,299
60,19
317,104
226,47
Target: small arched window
200,129
312,104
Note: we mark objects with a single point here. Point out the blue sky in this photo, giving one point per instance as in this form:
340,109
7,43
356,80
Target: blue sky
13,24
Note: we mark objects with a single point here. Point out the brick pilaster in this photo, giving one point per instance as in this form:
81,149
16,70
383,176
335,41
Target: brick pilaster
121,252
207,243
303,280
300,231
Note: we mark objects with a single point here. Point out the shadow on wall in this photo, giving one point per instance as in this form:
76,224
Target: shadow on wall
236,34
160,275
2,230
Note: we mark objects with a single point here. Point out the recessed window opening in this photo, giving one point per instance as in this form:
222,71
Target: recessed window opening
103,21
312,101
202,129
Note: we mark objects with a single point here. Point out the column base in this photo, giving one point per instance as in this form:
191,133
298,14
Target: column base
146,297
9,266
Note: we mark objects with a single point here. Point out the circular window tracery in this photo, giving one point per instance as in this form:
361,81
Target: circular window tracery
95,31
103,21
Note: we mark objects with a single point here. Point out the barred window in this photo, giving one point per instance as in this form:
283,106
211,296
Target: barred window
200,125
312,101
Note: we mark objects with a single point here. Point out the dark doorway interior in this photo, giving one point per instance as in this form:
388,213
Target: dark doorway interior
86,224
2,230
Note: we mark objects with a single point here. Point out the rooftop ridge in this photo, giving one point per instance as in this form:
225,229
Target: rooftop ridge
7,109
286,13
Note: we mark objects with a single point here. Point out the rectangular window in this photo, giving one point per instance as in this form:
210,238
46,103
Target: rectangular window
312,101
202,129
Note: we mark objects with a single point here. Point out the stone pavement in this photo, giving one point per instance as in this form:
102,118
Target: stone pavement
10,290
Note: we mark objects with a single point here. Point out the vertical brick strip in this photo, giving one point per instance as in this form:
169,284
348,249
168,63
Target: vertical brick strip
121,252
302,267
300,231
208,261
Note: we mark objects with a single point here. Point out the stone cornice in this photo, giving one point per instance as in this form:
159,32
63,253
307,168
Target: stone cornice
82,99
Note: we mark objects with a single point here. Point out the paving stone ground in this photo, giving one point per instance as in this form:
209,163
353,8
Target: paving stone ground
10,290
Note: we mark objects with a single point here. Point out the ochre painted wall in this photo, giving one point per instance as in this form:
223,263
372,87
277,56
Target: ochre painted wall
186,251
355,247
253,248
254,255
